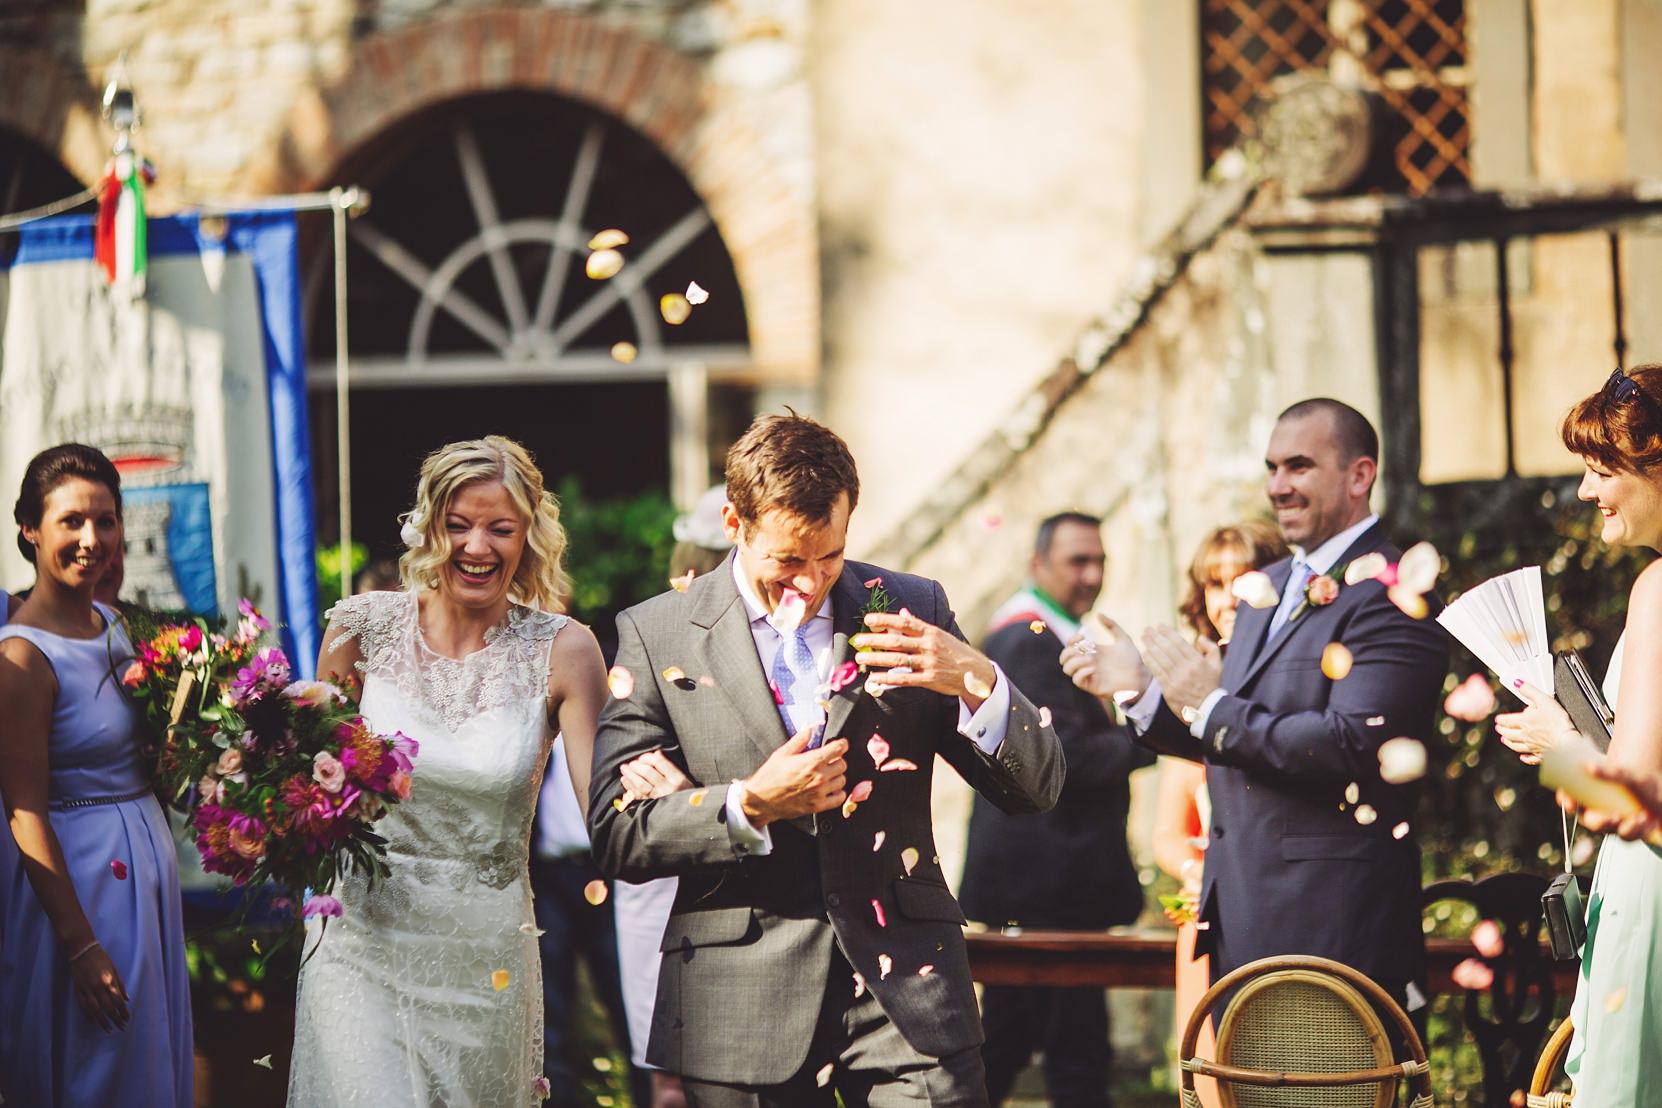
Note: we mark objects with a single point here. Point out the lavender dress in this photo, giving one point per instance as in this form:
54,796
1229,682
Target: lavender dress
103,812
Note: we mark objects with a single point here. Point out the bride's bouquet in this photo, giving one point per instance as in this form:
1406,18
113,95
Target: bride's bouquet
285,777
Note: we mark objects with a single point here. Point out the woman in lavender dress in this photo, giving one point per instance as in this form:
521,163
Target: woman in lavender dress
93,981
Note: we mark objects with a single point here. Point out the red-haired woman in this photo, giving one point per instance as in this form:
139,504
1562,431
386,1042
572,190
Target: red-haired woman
1179,815
1615,1058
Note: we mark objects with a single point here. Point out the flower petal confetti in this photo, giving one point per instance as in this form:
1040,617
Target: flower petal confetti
977,687
1613,1002
897,765
992,521
263,1062
1473,974
884,965
859,986
778,697
877,841
675,308
1471,700
909,858
1487,938
531,929
1353,793
1375,721
860,792
789,613
499,979
119,869
878,747
595,892
609,239
1413,604
823,1077
621,682
1255,589
696,798
674,674
603,264
1417,569
845,675
1365,814
1044,716
1401,760
877,910
696,293
1037,627
1365,568
625,352
1400,831
875,688
1336,661
925,970
679,584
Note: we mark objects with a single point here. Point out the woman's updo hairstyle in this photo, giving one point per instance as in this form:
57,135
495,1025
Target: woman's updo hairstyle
540,581
51,468
1620,426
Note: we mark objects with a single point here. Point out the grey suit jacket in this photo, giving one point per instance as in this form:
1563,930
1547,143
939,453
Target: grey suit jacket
748,948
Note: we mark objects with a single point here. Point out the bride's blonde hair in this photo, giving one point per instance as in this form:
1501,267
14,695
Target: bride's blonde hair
540,581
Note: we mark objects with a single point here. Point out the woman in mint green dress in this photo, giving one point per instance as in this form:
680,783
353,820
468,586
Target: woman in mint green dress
1615,1057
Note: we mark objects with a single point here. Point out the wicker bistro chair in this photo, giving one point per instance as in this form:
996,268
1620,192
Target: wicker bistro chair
1304,1032
1552,1056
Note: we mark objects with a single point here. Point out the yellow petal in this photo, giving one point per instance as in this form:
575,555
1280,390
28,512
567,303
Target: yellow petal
595,892
256,944
1412,603
1365,568
1037,627
674,308
1336,661
499,979
909,858
696,294
1365,814
976,686
1614,1001
697,798
609,239
603,264
624,352
1417,570
674,673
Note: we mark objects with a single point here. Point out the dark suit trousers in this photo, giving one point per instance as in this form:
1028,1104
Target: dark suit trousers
1069,1025
860,1054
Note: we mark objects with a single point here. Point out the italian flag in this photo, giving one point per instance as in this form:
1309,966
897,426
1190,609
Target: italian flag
119,236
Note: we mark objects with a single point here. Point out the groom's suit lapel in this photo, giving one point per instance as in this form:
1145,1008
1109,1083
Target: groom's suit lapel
1368,540
730,649
847,597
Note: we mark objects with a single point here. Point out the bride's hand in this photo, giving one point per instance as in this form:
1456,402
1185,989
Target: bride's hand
650,776
1536,729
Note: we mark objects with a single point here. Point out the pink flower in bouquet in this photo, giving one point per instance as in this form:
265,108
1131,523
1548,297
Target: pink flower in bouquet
267,672
248,837
404,749
230,761
133,676
328,771
190,638
251,623
208,787
399,784
314,694
321,906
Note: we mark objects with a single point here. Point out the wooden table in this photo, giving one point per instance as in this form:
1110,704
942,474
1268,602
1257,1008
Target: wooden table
1144,959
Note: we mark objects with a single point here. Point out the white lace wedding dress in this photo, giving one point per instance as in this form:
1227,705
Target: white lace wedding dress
402,1003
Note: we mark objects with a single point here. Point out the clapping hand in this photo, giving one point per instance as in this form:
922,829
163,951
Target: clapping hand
1106,665
1537,728
1188,673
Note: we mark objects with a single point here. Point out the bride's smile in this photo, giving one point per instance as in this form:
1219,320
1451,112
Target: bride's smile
487,540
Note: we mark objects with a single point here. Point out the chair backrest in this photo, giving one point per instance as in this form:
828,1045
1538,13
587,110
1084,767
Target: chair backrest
1304,1032
1546,1068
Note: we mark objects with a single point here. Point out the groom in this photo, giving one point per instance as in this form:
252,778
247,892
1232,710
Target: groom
814,946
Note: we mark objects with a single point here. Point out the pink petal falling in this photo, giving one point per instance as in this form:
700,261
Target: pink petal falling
878,747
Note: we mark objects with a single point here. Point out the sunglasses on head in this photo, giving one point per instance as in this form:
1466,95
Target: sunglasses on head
1619,388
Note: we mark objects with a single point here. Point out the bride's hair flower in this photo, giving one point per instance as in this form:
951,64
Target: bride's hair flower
328,771
411,535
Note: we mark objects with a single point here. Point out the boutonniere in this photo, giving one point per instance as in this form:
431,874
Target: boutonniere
877,600
1319,592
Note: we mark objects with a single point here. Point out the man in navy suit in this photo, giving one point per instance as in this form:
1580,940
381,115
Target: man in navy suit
1310,851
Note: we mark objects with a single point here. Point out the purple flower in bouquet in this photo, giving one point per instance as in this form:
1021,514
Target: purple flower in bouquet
267,672
404,749
321,906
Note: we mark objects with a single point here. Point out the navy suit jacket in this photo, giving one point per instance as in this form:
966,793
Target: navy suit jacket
1290,869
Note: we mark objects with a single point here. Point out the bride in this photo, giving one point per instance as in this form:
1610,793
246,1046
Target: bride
427,988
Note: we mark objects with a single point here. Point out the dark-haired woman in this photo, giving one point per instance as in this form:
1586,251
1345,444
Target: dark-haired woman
1615,1058
93,984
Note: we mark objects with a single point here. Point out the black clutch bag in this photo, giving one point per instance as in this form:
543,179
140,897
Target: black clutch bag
1566,918
1575,689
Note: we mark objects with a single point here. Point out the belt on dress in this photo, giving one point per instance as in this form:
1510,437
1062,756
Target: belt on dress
93,801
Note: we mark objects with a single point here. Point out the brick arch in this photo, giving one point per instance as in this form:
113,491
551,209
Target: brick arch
766,221
56,107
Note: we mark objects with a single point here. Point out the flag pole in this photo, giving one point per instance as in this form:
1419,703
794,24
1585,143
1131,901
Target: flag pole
341,203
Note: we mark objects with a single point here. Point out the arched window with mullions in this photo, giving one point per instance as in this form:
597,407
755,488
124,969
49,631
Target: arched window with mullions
470,310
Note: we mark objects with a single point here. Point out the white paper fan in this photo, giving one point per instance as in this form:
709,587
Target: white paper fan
1504,622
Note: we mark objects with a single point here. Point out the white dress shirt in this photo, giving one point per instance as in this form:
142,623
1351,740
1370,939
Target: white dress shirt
1320,560
986,726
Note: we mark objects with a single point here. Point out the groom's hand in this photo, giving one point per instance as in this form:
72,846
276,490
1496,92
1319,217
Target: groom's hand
918,654
795,781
